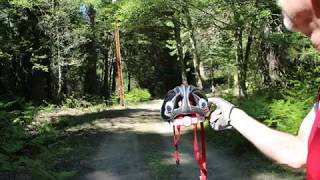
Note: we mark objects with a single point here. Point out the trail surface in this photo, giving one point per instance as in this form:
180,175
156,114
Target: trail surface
135,144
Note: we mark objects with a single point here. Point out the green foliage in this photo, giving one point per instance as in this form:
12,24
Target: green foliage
137,95
66,175
22,3
159,169
285,113
51,47
88,104
24,142
257,106
288,113
72,102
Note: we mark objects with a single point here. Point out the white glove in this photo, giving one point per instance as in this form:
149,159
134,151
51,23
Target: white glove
220,118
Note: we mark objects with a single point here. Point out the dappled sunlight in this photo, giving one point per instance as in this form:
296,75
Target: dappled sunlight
153,105
139,142
154,127
161,127
105,175
185,158
84,86
144,118
267,176
101,175
121,144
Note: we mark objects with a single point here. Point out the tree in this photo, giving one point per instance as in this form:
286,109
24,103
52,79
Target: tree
55,49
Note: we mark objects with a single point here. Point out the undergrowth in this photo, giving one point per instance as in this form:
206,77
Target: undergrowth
284,112
31,137
30,142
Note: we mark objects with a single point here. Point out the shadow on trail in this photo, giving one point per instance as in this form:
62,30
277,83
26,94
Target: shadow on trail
126,153
99,154
65,121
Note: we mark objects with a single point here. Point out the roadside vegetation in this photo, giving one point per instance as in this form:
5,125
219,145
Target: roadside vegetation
58,58
34,138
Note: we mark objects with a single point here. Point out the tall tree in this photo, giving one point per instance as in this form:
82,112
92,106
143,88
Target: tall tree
91,79
194,47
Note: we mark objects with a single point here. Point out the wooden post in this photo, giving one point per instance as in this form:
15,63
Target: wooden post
119,67
118,59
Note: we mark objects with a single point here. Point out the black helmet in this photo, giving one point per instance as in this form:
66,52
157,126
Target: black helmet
184,100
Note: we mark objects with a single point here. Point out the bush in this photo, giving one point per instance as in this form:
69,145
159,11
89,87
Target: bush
285,113
257,106
23,144
72,102
137,95
288,113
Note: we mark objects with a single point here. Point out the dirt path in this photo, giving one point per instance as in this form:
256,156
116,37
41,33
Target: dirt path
135,144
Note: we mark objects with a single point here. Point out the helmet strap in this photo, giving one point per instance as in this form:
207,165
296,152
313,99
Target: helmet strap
201,160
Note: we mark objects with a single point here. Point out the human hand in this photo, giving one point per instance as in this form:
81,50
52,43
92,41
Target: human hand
303,16
220,118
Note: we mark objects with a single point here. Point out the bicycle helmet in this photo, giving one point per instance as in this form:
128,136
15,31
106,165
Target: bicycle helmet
182,101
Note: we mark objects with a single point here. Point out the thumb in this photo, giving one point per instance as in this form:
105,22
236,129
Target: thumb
217,101
315,38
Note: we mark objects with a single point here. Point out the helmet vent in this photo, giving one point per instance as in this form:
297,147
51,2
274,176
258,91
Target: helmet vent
192,100
178,100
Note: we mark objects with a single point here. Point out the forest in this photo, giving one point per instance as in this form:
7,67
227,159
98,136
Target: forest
59,55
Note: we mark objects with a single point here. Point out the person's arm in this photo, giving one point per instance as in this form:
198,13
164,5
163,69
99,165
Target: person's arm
283,148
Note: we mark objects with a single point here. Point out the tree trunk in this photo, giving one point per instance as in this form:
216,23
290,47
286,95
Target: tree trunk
269,62
114,78
263,65
55,66
111,72
59,70
239,61
54,82
129,82
274,66
91,78
236,84
194,49
203,74
105,86
177,35
246,60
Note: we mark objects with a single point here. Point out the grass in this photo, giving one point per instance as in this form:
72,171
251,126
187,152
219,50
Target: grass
283,112
160,170
33,139
30,141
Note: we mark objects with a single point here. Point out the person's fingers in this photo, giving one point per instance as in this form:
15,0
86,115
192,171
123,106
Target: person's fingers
315,38
217,101
214,100
215,118
217,114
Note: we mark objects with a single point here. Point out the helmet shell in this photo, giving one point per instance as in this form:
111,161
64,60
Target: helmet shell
184,100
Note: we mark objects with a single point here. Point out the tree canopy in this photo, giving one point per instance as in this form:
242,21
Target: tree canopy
58,53
50,50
